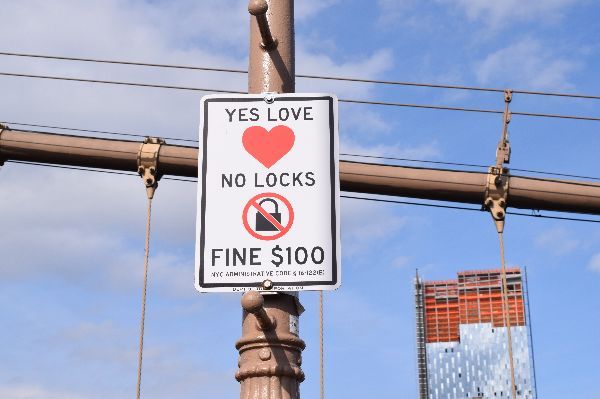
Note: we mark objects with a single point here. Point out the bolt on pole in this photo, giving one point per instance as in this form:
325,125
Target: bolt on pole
270,349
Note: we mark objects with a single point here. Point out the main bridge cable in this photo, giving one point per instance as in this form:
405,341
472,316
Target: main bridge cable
536,214
128,134
351,101
595,185
305,76
583,184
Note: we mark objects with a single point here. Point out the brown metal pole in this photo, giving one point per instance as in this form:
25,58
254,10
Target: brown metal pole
270,349
271,66
424,183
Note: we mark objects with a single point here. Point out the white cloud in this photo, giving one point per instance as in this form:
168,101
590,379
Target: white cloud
70,219
369,67
527,64
33,391
395,11
425,151
86,229
365,223
171,369
83,232
97,261
594,264
127,31
401,262
83,224
557,240
501,14
364,120
307,8
146,32
89,330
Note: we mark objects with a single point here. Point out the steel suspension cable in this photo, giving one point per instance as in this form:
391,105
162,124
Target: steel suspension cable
465,208
84,169
465,165
104,132
117,82
462,208
583,184
530,332
506,315
305,76
350,101
392,158
321,348
144,291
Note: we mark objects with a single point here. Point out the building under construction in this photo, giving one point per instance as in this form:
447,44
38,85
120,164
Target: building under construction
462,336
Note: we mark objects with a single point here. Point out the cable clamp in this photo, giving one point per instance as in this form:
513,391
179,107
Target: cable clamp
147,161
2,129
496,195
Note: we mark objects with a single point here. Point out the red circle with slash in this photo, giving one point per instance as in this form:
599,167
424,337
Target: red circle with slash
253,203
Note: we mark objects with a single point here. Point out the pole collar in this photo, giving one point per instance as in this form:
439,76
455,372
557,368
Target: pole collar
147,161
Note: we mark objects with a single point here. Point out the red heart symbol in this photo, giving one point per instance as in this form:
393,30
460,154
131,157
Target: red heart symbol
268,147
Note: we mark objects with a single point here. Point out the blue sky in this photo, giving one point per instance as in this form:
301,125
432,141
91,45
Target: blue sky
72,242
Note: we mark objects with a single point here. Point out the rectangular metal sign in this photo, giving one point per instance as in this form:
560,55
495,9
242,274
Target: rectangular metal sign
268,193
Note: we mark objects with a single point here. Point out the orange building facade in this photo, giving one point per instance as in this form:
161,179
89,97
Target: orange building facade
475,297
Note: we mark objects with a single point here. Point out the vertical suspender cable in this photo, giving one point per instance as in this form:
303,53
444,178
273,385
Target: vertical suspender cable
143,318
506,314
496,196
528,321
322,367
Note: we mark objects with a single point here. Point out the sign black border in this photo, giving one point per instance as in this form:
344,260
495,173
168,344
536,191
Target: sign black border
333,186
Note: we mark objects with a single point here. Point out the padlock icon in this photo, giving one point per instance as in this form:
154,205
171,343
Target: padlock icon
262,224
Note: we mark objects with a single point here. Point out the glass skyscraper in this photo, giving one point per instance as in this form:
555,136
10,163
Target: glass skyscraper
462,340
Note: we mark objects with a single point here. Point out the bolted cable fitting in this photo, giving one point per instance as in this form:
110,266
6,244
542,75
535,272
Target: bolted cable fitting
503,150
148,163
496,195
496,190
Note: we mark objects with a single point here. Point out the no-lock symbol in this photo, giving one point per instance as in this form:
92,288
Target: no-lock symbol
271,217
262,224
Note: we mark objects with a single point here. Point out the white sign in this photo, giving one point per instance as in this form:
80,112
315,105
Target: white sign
268,193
